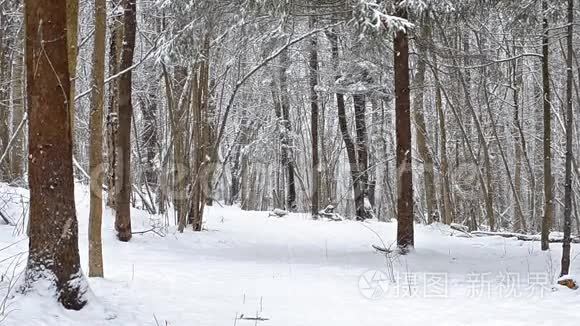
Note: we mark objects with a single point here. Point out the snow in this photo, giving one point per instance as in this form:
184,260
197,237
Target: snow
296,271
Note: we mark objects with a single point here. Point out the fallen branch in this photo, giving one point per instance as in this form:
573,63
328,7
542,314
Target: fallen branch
461,228
522,237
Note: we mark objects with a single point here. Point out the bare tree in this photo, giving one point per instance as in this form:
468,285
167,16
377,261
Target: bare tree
96,142
123,202
313,65
420,125
569,123
115,48
405,230
548,195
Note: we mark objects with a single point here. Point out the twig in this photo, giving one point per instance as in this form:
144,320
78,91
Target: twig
11,142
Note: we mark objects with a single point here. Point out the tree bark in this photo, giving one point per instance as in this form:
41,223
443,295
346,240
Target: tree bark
53,228
123,203
96,142
405,230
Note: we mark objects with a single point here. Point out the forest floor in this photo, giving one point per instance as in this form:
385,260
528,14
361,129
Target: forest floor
247,268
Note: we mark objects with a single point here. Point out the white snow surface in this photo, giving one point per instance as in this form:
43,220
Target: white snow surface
297,271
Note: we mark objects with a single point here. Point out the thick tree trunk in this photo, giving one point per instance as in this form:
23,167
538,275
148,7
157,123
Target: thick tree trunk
405,230
548,196
565,270
96,142
313,65
123,203
53,228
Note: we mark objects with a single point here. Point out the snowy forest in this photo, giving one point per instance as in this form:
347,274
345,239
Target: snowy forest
289,162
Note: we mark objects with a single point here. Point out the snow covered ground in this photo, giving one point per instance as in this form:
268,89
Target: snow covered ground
295,271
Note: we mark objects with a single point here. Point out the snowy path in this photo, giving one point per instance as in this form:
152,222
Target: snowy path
295,271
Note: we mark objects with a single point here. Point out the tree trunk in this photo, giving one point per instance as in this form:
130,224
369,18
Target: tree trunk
422,136
405,231
548,196
5,61
53,228
72,29
520,224
201,166
344,131
123,203
447,207
486,186
313,65
565,270
96,142
287,143
115,49
362,153
18,149
149,137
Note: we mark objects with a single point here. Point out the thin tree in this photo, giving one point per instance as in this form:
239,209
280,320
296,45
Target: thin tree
405,231
115,48
313,65
5,71
53,228
421,127
72,29
569,123
344,131
287,143
362,154
18,150
96,142
123,202
548,195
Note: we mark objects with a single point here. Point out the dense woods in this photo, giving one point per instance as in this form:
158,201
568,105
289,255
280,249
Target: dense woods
454,112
